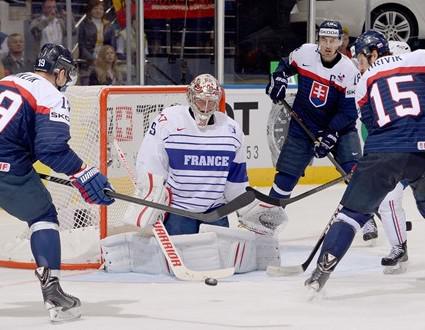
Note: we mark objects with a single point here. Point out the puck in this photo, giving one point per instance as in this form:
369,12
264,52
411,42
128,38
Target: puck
211,281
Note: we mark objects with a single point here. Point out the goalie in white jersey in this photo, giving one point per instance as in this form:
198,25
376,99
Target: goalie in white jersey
198,152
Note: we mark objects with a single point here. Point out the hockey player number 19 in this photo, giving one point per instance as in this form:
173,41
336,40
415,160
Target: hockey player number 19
396,95
10,103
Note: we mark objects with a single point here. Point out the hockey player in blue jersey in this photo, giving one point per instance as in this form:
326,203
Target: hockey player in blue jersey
390,98
34,125
325,103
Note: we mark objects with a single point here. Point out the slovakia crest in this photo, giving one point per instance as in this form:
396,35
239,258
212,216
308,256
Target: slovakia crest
318,94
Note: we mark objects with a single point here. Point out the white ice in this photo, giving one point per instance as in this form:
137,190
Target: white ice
357,296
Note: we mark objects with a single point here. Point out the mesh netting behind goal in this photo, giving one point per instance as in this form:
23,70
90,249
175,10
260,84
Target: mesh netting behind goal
98,116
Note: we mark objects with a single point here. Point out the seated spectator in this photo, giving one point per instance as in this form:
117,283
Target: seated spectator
94,32
105,71
14,61
344,49
50,26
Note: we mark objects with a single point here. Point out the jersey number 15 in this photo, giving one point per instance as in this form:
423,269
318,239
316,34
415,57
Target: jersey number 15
396,95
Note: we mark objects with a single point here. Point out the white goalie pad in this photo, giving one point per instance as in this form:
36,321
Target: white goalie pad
262,218
150,187
132,252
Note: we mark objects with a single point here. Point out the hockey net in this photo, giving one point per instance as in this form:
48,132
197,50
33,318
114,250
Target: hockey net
98,116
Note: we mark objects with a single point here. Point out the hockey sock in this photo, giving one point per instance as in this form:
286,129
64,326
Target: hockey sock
45,246
283,185
338,240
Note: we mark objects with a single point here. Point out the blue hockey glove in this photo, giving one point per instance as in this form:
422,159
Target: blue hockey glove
91,184
325,142
276,88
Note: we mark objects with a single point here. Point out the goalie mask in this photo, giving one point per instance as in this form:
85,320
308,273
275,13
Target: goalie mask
203,95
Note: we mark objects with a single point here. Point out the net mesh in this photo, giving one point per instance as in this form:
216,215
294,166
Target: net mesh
128,114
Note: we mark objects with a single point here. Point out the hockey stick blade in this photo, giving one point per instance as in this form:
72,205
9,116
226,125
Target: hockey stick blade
220,212
286,201
176,262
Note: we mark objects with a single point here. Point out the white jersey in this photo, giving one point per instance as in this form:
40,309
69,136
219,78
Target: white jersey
204,168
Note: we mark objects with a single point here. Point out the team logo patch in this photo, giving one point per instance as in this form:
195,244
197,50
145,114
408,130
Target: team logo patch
318,94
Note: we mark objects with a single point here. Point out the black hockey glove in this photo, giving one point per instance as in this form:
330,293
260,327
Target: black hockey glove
276,88
326,140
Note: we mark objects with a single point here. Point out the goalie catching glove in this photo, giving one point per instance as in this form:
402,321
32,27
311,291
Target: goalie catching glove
262,218
92,185
151,188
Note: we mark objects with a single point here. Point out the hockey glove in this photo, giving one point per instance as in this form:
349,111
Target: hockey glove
276,88
325,142
91,184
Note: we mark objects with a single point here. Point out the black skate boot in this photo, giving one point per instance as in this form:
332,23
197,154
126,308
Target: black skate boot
321,274
370,230
396,261
61,306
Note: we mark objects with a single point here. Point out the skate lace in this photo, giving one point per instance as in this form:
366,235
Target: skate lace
395,252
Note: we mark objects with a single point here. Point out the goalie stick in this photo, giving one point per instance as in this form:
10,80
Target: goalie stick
285,201
167,246
220,212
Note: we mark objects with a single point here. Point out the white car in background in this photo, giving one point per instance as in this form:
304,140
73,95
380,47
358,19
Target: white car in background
398,20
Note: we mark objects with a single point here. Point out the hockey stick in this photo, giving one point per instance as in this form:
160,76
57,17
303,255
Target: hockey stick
298,269
220,212
168,248
285,201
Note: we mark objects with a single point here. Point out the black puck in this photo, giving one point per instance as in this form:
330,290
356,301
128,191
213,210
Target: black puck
211,281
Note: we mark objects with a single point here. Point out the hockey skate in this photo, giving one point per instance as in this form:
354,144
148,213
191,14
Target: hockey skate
61,306
370,230
321,274
396,261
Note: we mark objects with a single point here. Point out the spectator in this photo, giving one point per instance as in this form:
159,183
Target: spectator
2,73
105,71
344,48
50,26
14,61
3,44
94,32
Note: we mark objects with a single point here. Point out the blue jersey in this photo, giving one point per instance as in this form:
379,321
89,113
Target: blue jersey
391,99
204,168
34,125
325,97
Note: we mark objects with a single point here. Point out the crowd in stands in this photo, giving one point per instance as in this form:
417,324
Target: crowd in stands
95,35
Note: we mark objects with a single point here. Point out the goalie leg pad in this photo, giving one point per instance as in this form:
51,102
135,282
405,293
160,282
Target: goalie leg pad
268,253
131,252
237,247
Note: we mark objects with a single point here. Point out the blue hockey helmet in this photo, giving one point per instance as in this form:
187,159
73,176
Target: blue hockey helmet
370,40
330,28
53,58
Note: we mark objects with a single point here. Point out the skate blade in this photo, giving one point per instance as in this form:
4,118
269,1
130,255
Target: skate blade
58,315
400,268
371,242
314,294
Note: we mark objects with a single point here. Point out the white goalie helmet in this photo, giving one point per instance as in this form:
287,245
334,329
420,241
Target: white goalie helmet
398,47
203,95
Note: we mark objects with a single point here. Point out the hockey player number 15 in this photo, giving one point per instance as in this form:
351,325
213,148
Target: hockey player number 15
396,95
10,103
